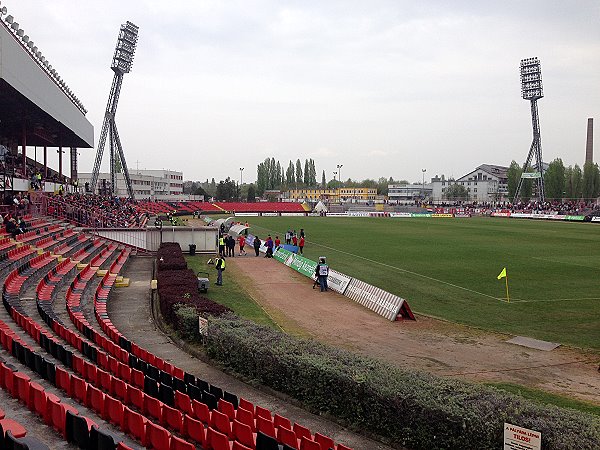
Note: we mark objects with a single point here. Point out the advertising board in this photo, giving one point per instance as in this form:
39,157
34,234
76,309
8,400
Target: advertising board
595,219
338,281
296,214
247,214
269,214
400,214
443,215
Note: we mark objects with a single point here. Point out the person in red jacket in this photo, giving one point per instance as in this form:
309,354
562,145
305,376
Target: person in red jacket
301,244
295,240
277,241
242,241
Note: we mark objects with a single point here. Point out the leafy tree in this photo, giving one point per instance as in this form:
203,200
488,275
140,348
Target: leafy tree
290,174
306,173
199,191
591,181
227,190
251,197
299,177
456,192
554,180
513,174
323,180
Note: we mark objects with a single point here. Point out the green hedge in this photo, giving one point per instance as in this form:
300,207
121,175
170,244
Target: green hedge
412,409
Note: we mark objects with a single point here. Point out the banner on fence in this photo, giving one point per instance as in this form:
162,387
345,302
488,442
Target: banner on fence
595,219
383,303
420,215
445,215
283,256
247,214
400,214
330,214
269,214
519,438
293,214
337,281
303,265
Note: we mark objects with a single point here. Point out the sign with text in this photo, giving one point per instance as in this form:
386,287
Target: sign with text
519,438
337,281
203,326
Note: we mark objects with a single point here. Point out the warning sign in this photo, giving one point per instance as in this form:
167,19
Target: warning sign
519,438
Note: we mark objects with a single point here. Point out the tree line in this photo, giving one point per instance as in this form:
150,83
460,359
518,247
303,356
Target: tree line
560,182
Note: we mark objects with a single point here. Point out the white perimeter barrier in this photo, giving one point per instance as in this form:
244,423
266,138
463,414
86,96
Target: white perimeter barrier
376,299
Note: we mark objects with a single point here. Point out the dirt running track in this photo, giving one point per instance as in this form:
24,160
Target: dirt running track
435,346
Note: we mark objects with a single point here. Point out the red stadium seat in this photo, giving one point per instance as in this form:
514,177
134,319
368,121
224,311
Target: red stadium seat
325,441
309,444
243,403
183,403
220,422
246,417
152,407
238,446
113,410
243,433
280,421
95,399
263,412
201,411
302,431
265,426
194,430
171,417
342,447
157,437
180,444
216,440
134,424
226,408
136,397
288,437
16,429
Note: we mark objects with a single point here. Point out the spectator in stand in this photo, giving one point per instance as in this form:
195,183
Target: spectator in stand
269,244
256,245
242,242
301,244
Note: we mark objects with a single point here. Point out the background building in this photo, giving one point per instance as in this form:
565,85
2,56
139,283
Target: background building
408,192
336,195
152,184
486,183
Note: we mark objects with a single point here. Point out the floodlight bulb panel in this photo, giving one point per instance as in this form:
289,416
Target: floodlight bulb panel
9,19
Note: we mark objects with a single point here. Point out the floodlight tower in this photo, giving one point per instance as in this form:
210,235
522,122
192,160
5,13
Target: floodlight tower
121,64
532,90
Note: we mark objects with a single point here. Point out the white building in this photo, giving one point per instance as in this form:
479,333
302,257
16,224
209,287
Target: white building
147,184
487,183
408,192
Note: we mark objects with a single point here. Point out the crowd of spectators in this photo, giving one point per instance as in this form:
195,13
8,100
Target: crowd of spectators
96,211
571,207
14,224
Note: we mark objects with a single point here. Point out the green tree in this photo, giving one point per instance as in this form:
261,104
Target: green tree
456,192
251,197
199,191
554,180
513,174
306,173
323,180
290,174
227,190
591,181
299,177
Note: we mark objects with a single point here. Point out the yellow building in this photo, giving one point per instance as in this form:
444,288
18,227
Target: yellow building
334,195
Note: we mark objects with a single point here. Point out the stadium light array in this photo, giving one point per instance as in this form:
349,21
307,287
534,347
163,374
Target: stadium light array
531,79
28,44
125,49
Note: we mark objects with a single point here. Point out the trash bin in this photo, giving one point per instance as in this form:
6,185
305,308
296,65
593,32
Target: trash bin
192,249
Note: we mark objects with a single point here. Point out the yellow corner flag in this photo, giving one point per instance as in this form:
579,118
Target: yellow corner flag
505,276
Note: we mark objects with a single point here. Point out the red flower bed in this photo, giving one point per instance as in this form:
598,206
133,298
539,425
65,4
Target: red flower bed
178,284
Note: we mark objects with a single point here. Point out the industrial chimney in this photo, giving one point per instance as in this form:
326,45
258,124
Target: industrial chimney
589,143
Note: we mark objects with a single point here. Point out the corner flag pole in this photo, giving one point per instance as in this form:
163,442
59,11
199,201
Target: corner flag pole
507,296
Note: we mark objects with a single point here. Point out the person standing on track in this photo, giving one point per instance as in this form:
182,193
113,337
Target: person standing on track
242,242
269,244
256,244
301,244
222,246
220,266
322,272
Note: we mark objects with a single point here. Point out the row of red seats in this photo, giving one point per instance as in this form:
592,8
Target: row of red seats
35,234
199,411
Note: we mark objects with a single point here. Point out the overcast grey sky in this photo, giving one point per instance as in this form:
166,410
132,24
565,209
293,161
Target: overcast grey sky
385,88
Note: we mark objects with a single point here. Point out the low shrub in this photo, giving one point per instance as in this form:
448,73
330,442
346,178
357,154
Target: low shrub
413,409
186,321
172,257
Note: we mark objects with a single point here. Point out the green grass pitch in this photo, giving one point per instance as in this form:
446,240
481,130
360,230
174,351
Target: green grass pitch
447,268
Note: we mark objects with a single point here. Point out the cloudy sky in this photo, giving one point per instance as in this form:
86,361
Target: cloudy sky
385,88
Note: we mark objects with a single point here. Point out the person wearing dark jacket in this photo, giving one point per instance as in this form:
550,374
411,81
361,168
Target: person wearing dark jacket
322,272
256,244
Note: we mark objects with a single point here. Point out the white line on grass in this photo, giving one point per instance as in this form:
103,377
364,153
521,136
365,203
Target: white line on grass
554,300
404,270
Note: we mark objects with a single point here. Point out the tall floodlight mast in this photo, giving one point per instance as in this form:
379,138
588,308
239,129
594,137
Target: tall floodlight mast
121,64
532,90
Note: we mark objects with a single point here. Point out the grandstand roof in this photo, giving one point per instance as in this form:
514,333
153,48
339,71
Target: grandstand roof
32,101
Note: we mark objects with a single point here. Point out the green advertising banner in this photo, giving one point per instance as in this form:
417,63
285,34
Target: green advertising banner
420,215
282,255
578,218
303,265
